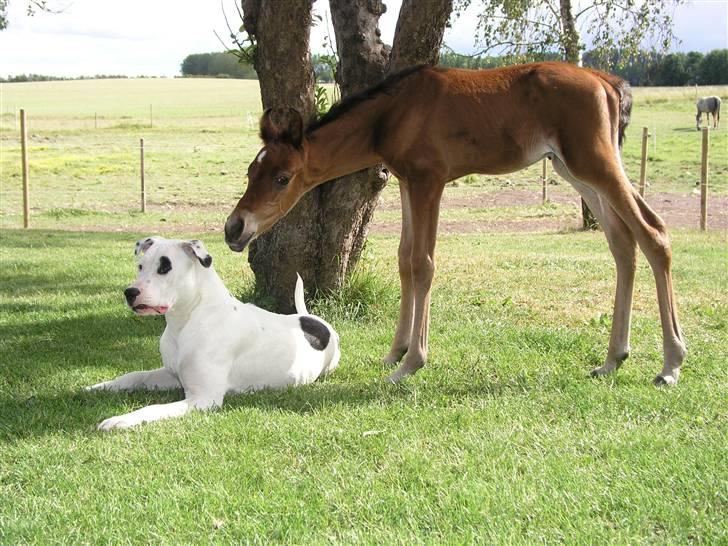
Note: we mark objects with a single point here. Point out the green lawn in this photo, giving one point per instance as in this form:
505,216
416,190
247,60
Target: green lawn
502,438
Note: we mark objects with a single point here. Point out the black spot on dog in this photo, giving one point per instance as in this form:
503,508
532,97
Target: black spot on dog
165,265
315,332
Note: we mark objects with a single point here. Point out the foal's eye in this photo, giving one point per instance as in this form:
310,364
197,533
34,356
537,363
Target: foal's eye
165,265
139,267
283,180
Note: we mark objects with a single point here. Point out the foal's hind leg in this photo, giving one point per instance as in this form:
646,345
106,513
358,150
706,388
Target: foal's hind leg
624,250
406,304
603,173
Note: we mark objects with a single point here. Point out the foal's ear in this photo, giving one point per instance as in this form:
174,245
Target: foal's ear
282,125
197,250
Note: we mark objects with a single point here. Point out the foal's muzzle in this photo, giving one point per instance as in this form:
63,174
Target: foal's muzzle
235,235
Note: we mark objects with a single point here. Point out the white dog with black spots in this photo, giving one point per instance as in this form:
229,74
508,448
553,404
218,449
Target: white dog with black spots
213,343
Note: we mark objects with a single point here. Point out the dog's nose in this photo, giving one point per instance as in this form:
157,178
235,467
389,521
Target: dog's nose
233,229
131,293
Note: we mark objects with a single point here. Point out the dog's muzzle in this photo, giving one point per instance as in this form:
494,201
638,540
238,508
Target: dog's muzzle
130,294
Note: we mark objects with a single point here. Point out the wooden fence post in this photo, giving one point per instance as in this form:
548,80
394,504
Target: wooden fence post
643,164
24,159
544,191
704,182
141,172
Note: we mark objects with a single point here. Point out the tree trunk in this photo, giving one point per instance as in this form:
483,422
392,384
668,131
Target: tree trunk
418,36
283,63
323,236
348,203
572,54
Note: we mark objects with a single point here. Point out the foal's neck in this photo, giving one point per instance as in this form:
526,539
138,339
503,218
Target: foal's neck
343,146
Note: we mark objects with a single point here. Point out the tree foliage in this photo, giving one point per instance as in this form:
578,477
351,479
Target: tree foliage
221,64
644,68
521,29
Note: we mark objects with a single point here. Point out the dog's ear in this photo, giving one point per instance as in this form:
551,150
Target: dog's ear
142,245
197,250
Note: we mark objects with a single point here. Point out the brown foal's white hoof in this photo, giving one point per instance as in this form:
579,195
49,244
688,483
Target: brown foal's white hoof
666,380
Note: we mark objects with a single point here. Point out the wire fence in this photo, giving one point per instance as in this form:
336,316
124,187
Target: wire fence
103,172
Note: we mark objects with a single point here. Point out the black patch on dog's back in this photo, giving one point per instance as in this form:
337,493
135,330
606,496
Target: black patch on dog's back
315,332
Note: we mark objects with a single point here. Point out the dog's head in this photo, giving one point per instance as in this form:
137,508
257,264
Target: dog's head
167,274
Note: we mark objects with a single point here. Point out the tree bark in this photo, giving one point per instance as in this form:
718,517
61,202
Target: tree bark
323,236
283,63
348,203
572,54
418,36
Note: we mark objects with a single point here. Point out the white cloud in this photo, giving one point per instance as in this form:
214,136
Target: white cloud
152,37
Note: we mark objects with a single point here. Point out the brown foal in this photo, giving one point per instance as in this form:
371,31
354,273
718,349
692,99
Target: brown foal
432,125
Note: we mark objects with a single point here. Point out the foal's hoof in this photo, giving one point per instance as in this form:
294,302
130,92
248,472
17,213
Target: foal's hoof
601,371
665,381
393,357
403,371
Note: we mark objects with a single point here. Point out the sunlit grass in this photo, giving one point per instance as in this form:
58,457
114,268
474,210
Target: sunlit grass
501,438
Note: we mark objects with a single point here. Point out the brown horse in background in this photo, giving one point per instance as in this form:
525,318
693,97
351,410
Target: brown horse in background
432,125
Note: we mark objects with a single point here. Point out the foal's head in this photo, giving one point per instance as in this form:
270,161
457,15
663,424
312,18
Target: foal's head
275,178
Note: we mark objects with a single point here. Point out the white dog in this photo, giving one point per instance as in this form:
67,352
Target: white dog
213,343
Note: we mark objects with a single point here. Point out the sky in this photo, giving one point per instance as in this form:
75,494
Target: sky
152,37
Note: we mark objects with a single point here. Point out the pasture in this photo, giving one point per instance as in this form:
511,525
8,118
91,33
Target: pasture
501,438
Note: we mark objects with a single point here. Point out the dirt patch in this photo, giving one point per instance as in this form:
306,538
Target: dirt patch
677,211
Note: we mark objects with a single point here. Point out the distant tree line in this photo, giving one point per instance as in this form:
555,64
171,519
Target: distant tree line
226,65
43,78
217,65
646,69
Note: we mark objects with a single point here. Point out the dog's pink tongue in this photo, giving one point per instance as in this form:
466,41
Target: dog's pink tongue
161,310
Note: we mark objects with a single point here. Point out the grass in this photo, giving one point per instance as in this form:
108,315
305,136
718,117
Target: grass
502,438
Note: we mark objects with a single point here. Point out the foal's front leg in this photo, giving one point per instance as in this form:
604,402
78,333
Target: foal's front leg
403,334
424,212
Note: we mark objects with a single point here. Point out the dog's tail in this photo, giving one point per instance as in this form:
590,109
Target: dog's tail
298,297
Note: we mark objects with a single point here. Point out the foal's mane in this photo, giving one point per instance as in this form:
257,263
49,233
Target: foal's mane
386,86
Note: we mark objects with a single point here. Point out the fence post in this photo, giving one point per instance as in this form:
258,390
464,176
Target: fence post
643,164
704,182
544,191
24,159
141,172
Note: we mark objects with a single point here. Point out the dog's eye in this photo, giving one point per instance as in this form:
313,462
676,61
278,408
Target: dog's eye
165,266
283,180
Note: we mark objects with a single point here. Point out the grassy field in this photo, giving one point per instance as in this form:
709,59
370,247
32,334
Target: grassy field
204,134
501,438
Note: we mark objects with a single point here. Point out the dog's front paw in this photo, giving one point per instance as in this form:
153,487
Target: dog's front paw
116,422
98,386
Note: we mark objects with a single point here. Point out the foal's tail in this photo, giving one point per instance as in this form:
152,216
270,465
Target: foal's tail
624,90
298,296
